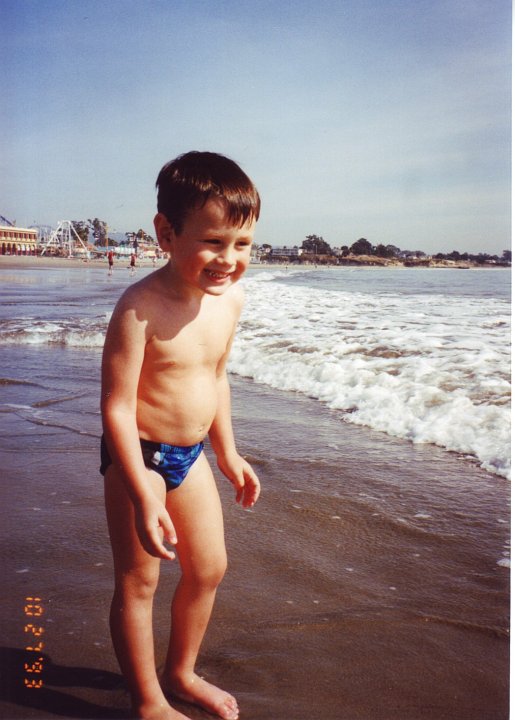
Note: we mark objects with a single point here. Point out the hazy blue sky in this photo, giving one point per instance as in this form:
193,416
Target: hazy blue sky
384,119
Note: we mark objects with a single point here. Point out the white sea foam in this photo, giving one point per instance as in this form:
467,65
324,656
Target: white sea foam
73,333
431,368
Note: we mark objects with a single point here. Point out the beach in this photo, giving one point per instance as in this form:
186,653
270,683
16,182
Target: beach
21,262
370,582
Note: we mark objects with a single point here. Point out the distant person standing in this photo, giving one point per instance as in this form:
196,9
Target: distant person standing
110,260
133,263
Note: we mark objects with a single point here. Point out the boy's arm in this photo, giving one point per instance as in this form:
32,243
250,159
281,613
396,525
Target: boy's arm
121,367
221,436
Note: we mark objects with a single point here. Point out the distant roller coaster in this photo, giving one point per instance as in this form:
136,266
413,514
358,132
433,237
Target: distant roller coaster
65,238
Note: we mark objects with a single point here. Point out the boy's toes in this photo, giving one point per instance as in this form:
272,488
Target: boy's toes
229,710
211,698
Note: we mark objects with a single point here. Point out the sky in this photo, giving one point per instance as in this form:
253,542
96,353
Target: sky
383,119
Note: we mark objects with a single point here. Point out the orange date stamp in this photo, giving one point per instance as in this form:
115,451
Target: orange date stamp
34,630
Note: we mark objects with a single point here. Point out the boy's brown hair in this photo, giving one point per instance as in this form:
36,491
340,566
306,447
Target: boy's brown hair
190,180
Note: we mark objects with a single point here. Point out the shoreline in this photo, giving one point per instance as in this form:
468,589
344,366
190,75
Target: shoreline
20,262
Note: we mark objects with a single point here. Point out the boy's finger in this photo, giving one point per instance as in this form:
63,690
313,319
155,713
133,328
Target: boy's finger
253,480
240,489
250,499
171,536
163,532
163,552
154,546
168,529
251,493
166,554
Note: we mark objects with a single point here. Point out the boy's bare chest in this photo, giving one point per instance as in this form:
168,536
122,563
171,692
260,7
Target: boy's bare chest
199,343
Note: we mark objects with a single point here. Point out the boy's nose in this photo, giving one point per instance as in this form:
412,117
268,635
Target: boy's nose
227,256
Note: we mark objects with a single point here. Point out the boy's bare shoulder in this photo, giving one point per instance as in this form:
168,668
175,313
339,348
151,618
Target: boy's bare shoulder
136,312
141,293
236,296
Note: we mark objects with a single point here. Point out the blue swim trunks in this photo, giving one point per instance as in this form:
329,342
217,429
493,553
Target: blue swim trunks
172,462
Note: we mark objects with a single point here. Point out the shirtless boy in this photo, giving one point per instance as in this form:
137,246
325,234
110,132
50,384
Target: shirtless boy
164,388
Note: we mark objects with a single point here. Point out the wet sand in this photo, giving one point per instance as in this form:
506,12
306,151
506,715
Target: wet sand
363,586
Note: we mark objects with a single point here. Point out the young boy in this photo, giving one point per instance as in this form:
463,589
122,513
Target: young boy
164,388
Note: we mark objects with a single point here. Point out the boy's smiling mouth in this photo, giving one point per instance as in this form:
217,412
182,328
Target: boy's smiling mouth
216,274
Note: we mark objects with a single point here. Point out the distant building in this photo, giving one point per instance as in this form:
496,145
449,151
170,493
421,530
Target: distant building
255,256
287,251
18,241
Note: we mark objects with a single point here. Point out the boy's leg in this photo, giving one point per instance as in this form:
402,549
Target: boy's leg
196,513
136,576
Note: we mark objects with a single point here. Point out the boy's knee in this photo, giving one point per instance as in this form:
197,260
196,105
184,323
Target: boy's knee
137,584
209,574
218,571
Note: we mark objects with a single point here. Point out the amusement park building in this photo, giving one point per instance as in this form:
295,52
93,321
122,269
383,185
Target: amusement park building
18,241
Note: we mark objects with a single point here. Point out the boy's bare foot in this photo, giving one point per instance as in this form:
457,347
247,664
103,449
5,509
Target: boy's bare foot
159,711
198,691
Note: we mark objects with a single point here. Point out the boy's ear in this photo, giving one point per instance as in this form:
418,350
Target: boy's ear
164,230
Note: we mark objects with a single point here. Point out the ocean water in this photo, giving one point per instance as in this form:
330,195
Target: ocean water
419,354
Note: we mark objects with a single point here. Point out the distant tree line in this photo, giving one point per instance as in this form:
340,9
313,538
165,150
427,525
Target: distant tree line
480,258
316,245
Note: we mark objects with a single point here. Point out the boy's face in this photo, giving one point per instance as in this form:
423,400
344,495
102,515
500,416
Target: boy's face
210,253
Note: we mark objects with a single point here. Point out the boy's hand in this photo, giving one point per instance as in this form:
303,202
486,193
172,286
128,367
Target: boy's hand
243,477
154,526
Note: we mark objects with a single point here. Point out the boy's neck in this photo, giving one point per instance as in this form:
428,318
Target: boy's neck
176,288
